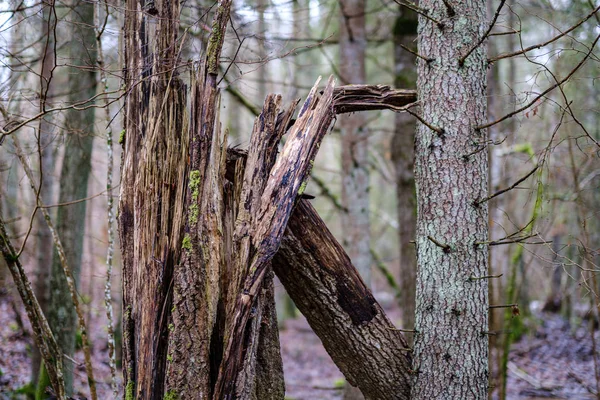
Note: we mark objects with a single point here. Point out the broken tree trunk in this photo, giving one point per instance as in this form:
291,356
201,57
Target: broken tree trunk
286,180
151,208
199,321
328,290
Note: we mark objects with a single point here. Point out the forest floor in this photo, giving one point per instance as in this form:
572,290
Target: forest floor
552,361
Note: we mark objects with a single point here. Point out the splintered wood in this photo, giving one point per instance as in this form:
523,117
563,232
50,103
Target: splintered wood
263,214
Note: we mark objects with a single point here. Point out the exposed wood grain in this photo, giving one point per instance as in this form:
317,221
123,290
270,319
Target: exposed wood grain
327,289
152,192
287,176
352,98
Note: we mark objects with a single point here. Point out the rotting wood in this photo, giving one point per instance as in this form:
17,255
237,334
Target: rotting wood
327,289
352,98
197,248
268,129
151,206
286,181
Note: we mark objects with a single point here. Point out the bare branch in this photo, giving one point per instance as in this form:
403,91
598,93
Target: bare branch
557,84
461,62
420,11
414,53
511,187
537,46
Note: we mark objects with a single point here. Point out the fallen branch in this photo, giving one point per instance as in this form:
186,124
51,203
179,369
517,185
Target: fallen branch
352,98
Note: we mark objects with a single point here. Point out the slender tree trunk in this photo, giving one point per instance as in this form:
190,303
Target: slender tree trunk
261,6
496,254
355,149
405,32
44,244
451,343
74,175
355,141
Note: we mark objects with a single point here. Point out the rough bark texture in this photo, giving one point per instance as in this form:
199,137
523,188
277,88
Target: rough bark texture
152,191
199,319
405,32
286,180
451,344
76,166
355,141
181,228
263,370
269,382
339,307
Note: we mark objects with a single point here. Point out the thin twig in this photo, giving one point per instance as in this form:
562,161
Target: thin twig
504,306
436,129
579,65
414,53
537,46
446,247
511,187
477,278
419,10
514,31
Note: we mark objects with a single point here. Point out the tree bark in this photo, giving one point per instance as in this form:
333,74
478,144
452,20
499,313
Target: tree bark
177,223
199,319
451,343
339,307
151,209
405,32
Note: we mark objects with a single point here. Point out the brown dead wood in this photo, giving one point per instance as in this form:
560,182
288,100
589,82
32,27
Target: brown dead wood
352,98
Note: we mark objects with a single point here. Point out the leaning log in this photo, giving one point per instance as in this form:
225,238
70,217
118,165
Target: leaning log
325,286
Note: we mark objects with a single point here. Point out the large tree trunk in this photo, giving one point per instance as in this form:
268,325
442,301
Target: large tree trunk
451,343
405,32
75,171
151,209
176,226
199,319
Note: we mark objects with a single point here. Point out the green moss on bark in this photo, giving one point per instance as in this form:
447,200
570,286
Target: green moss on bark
129,391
